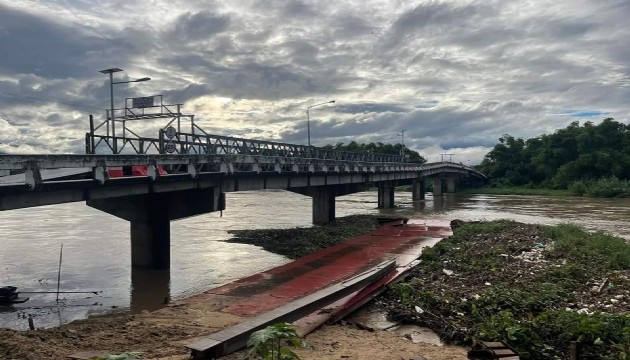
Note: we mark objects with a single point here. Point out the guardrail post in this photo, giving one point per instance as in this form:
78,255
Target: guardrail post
32,176
100,172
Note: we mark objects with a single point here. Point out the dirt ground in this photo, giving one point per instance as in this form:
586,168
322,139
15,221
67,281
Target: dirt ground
162,335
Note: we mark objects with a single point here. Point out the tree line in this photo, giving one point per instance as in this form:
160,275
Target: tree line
379,148
575,153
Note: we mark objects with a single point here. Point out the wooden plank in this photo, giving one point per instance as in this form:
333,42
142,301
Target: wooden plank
234,338
500,352
493,344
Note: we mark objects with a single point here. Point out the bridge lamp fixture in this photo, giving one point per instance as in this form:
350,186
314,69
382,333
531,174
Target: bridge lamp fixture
308,118
111,96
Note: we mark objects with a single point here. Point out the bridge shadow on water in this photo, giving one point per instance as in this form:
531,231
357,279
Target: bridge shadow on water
436,204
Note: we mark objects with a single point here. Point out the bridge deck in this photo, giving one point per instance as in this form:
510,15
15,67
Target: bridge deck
47,175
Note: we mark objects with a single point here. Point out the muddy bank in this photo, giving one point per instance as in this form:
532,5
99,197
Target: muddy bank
297,242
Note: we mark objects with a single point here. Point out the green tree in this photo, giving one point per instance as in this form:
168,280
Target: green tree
556,160
379,148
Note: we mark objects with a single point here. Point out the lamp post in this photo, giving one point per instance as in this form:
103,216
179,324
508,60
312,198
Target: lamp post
402,135
308,118
111,99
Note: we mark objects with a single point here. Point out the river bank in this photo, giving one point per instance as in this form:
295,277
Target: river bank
516,190
162,334
535,287
477,284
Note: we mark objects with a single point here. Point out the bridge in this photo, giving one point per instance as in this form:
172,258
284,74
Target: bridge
181,174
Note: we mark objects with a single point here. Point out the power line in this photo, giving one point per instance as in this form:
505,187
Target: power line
33,99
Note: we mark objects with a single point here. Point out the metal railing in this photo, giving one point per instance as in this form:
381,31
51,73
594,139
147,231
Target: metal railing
206,144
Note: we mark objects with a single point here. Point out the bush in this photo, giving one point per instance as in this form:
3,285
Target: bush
270,343
604,187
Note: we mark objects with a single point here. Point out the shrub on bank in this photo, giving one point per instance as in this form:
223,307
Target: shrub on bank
536,288
604,187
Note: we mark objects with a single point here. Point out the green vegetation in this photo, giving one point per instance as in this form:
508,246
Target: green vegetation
575,153
379,148
270,343
604,187
536,288
517,190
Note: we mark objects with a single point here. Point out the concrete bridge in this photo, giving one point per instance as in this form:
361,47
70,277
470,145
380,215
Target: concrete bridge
198,176
184,171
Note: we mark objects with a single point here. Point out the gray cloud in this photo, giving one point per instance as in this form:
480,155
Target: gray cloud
199,26
454,74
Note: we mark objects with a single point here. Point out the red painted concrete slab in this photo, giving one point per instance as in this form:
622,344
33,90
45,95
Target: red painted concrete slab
270,289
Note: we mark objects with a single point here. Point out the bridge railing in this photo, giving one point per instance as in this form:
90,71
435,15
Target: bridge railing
206,144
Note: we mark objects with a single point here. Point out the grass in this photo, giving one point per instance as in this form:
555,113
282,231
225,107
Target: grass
597,250
516,190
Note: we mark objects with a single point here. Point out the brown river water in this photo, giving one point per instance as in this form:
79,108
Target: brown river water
96,249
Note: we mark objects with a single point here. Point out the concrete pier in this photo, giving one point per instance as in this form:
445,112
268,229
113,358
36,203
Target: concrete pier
150,216
450,185
437,186
417,190
386,195
323,204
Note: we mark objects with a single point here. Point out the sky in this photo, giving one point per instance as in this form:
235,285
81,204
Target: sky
455,75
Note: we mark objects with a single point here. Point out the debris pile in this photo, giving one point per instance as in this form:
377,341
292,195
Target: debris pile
535,287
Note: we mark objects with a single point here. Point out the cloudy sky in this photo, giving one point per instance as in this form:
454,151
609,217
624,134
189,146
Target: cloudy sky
455,75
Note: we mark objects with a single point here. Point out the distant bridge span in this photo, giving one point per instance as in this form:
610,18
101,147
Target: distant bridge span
200,173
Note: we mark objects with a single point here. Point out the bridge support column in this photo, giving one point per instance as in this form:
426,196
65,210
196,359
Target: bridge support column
385,195
150,217
323,205
437,186
450,185
151,240
417,190
324,198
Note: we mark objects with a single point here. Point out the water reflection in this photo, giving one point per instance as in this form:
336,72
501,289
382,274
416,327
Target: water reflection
150,289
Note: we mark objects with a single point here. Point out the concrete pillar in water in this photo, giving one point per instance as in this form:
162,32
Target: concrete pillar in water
323,204
151,239
450,185
437,186
150,216
150,288
385,195
417,190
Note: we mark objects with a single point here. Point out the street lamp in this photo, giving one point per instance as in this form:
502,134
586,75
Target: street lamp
308,118
111,98
402,149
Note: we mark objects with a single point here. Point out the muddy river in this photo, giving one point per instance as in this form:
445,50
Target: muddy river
96,249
